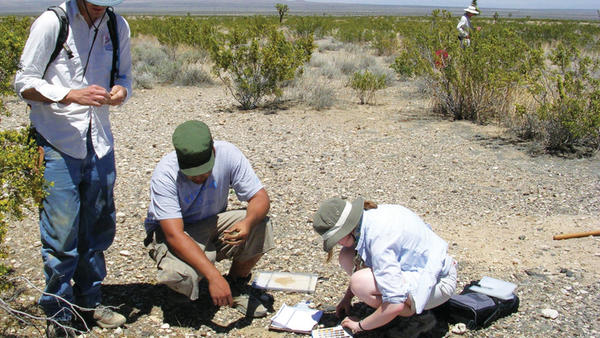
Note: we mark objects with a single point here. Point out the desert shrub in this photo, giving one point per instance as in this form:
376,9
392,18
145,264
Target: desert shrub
384,43
143,80
318,60
477,83
330,71
329,45
365,84
254,66
386,72
21,181
21,177
153,63
193,75
568,103
313,91
347,63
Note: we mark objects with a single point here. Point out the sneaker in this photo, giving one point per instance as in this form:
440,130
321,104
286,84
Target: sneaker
244,300
107,318
60,329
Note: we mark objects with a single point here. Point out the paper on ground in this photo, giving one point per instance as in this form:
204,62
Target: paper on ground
296,319
285,281
495,287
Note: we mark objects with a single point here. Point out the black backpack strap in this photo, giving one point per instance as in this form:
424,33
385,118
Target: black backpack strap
63,32
114,39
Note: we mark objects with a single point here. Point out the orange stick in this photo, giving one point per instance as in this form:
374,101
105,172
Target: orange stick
577,234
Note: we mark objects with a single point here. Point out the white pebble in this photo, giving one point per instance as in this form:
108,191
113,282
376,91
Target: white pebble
165,326
118,330
459,328
550,313
125,253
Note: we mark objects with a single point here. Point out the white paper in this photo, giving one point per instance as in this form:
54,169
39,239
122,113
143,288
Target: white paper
495,287
296,319
285,281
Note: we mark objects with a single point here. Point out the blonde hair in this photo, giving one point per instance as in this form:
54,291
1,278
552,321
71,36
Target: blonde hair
368,205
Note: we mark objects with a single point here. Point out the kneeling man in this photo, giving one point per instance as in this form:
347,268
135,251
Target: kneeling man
189,228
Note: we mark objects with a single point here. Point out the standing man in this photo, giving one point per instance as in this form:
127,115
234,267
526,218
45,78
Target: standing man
70,98
189,228
464,26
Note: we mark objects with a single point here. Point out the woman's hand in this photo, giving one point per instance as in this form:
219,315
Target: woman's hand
344,306
351,324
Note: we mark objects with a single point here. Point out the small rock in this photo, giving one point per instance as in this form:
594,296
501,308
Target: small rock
118,330
125,253
550,313
522,237
459,328
165,326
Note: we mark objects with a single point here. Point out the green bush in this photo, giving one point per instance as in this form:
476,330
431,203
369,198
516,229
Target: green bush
365,84
384,43
568,103
478,83
254,64
21,177
21,181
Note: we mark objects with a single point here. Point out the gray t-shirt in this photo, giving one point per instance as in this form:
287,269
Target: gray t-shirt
173,195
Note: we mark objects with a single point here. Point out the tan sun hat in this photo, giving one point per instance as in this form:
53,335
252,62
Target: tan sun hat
336,218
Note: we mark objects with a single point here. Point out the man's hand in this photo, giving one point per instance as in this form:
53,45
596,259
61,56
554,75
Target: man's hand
237,234
93,95
219,291
117,95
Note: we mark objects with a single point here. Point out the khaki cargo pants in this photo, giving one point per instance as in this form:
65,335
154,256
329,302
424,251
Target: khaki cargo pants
207,233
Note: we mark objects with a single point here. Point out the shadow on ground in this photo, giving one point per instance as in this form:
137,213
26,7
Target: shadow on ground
137,300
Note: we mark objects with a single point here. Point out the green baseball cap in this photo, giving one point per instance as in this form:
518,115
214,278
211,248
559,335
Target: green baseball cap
194,147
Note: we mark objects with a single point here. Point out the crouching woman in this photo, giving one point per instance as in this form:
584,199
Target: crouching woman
397,264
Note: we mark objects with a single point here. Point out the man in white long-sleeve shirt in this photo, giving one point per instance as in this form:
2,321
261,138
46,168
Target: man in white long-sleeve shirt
70,98
464,26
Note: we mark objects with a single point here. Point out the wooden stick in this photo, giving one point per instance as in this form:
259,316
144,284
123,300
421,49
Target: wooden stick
577,234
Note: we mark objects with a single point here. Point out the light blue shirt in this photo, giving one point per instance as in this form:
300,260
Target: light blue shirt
66,126
173,195
406,256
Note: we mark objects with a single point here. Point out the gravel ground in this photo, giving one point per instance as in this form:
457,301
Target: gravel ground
494,203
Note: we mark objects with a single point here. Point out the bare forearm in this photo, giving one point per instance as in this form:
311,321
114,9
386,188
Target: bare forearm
258,207
383,315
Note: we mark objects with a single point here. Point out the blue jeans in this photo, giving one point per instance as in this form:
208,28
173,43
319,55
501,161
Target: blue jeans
77,223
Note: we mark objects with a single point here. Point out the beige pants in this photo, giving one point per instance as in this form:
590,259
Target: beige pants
180,276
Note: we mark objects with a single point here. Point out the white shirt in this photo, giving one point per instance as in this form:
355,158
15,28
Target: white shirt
464,25
406,256
66,126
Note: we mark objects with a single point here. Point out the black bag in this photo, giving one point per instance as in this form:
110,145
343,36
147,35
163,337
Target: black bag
477,310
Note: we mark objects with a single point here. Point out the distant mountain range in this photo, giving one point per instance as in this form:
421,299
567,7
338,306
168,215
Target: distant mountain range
296,7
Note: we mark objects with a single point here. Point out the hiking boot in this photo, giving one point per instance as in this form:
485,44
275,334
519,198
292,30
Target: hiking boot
107,318
60,329
244,300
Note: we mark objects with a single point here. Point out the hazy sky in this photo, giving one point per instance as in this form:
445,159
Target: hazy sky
537,4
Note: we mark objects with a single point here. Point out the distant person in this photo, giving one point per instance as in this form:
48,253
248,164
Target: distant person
189,227
464,26
397,264
70,98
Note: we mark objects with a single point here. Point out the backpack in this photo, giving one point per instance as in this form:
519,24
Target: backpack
477,310
61,40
